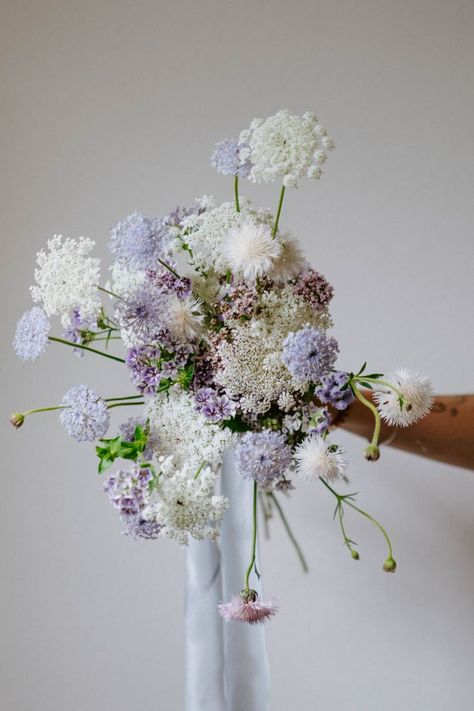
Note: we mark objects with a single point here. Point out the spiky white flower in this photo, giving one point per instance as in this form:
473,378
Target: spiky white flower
409,402
290,262
316,457
184,318
67,278
251,250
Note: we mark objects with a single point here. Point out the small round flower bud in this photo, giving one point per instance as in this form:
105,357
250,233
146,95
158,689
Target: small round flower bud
248,595
17,419
390,565
372,453
355,555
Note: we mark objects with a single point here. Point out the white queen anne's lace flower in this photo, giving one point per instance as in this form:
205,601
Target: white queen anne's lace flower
316,457
66,279
251,250
285,145
416,402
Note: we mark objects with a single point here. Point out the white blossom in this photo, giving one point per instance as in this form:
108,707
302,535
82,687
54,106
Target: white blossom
409,402
184,318
250,250
316,457
289,263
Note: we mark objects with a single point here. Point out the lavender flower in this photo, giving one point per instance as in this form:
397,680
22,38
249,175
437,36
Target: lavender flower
177,217
85,416
246,607
31,335
314,288
309,353
330,390
140,241
262,456
226,159
213,406
140,315
167,282
139,527
145,374
74,332
128,490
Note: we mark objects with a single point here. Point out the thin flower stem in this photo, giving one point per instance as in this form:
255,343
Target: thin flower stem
376,523
85,348
236,193
290,533
340,512
170,269
266,514
253,552
371,406
110,293
126,397
122,404
377,381
277,219
44,409
199,470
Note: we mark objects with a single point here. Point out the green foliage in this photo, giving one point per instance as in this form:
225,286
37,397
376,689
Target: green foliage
118,448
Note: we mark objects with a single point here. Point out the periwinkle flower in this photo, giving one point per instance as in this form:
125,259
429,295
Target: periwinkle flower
333,390
262,456
84,416
31,335
309,353
227,160
139,241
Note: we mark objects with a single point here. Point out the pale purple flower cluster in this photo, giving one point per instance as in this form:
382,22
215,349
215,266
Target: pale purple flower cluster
31,335
314,288
140,241
227,161
165,282
74,332
262,456
213,406
138,527
309,353
128,490
84,416
331,392
177,217
140,315
241,302
145,374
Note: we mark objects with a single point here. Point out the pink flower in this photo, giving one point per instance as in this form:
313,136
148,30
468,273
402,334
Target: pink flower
246,607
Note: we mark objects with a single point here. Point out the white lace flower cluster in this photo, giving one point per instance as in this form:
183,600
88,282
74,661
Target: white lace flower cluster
285,146
67,278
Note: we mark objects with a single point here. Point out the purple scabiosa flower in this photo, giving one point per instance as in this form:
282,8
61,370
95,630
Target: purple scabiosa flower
142,363
309,353
128,490
313,287
262,456
330,390
84,416
247,607
138,527
140,315
226,159
31,335
140,241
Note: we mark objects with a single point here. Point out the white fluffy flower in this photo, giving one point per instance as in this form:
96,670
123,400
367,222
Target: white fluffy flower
412,401
290,262
66,279
188,506
285,145
184,318
251,250
316,457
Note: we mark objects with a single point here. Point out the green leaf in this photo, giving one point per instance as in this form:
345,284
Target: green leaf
236,424
365,384
373,375
363,368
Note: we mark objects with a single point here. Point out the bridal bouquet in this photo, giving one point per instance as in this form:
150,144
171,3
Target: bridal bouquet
225,330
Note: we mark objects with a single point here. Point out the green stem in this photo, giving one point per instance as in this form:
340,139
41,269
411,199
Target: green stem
121,404
376,523
371,406
253,553
277,219
377,381
126,397
110,293
85,348
170,269
44,409
200,468
290,532
236,193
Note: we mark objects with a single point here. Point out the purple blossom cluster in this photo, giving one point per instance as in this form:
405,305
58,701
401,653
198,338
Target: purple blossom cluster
141,314
139,527
309,353
313,287
262,456
140,241
330,390
75,331
177,217
31,335
84,414
128,490
165,282
148,367
241,302
215,407
226,159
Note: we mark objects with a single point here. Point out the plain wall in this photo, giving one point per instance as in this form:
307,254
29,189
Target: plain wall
110,106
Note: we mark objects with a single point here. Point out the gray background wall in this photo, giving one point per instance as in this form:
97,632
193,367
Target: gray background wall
110,106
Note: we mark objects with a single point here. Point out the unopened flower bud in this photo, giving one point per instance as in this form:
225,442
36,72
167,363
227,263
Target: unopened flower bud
372,453
17,419
355,555
390,565
248,595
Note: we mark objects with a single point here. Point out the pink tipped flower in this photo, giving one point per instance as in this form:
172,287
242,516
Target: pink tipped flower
246,607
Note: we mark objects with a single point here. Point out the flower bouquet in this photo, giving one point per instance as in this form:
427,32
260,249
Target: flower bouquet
224,334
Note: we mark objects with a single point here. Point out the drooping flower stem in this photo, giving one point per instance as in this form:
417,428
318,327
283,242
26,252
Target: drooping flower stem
378,421
290,533
85,348
378,381
170,269
277,218
236,193
122,404
253,552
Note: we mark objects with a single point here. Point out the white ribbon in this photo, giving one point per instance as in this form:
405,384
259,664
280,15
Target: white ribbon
226,663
